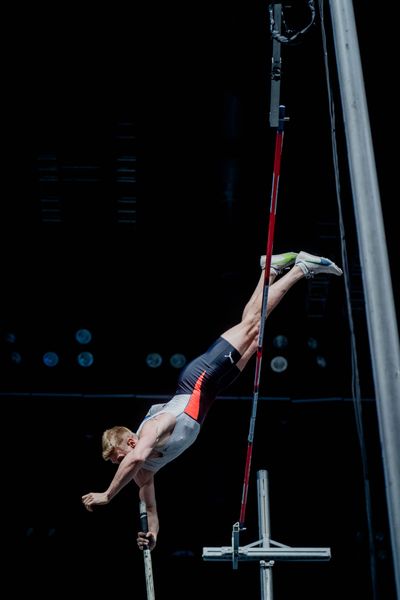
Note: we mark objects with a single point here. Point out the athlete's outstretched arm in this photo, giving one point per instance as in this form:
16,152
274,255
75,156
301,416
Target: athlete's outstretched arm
148,496
126,471
132,462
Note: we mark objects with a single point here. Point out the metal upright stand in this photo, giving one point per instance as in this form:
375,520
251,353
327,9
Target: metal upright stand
148,567
264,530
276,68
265,550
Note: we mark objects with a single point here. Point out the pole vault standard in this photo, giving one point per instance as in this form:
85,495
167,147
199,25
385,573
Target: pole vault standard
265,550
148,567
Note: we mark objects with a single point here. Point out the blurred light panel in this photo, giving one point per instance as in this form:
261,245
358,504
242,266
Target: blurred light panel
280,341
85,359
312,343
177,361
321,362
50,359
10,337
83,336
16,358
279,364
154,360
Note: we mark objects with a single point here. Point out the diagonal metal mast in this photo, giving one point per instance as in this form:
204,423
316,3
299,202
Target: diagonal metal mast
380,309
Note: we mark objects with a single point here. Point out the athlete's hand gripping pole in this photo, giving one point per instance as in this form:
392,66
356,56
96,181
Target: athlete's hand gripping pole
148,568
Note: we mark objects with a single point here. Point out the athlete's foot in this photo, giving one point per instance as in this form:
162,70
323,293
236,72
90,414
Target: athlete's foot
313,265
280,262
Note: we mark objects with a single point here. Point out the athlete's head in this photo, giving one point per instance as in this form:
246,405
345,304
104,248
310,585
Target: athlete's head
117,442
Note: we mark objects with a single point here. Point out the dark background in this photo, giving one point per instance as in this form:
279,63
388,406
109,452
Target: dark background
164,112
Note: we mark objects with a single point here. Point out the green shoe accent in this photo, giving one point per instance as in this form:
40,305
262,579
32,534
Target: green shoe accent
287,259
280,262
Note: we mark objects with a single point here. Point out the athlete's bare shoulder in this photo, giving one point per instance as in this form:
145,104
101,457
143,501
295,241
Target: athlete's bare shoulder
161,425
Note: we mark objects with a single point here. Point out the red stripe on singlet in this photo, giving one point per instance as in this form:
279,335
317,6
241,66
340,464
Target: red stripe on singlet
193,406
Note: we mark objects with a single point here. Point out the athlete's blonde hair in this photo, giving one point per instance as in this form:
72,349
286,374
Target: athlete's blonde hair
114,437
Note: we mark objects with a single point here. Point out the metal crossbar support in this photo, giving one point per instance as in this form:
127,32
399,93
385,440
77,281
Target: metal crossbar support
265,550
286,553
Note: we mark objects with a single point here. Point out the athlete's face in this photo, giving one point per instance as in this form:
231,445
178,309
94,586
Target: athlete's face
119,452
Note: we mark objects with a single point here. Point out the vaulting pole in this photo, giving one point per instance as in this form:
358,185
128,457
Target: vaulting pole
148,567
268,255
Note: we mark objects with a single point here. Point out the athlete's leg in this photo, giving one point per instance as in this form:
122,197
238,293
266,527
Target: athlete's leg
254,303
244,335
279,264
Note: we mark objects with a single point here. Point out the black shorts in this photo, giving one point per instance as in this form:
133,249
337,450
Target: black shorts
206,376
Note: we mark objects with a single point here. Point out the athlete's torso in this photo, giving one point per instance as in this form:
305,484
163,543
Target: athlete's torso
182,436
199,383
